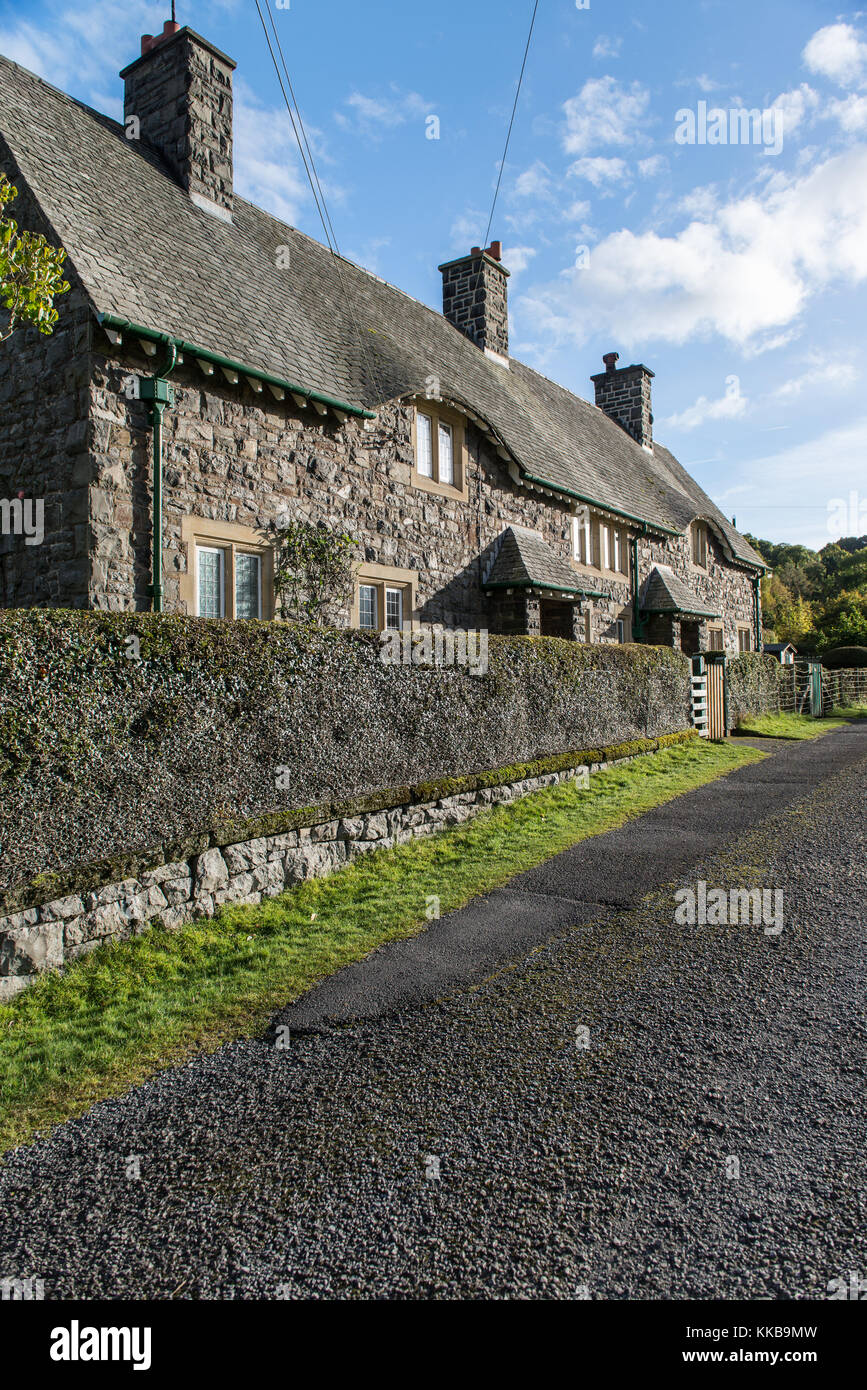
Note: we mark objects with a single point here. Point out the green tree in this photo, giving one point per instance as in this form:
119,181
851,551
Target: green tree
30,272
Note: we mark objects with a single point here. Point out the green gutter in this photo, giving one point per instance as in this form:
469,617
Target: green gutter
638,623
218,360
757,590
601,506
160,393
543,584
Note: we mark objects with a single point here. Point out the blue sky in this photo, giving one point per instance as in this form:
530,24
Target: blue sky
738,274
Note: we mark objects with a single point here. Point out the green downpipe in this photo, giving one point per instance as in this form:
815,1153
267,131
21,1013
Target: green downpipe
757,589
638,623
159,391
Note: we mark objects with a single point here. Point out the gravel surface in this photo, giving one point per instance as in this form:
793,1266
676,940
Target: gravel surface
603,1171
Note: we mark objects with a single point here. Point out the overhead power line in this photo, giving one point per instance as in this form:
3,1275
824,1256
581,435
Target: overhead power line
511,123
313,179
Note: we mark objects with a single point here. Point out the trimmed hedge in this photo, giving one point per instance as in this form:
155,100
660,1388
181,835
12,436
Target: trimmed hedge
845,658
130,735
753,685
86,878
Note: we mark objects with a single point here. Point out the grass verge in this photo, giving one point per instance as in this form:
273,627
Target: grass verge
788,726
849,712
118,1015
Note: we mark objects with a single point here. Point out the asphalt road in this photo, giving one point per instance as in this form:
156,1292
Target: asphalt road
559,1092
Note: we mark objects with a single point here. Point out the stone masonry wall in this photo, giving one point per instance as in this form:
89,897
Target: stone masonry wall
45,439
475,301
723,586
181,93
232,455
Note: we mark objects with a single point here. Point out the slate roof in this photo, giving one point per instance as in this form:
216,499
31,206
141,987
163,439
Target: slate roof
146,253
666,593
525,560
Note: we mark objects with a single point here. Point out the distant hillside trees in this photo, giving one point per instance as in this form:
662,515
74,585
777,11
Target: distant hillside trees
816,599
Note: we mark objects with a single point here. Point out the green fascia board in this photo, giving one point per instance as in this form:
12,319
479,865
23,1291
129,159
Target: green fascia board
543,584
684,612
602,506
192,350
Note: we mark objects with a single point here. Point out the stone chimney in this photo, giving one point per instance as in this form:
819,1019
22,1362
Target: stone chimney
624,394
178,99
475,299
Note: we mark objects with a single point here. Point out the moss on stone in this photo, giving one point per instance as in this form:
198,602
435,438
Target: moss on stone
88,878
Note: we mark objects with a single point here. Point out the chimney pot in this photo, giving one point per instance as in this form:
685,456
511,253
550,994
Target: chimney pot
496,250
610,359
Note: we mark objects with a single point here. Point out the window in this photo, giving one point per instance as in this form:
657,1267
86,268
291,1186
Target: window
598,544
439,450
745,639
385,597
621,630
248,585
446,455
698,534
394,608
715,639
212,564
211,582
581,538
367,606
605,546
424,445
229,573
588,625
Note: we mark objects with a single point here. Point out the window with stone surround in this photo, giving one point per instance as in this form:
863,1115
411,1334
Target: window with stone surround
384,597
439,448
715,642
229,571
698,544
745,639
599,544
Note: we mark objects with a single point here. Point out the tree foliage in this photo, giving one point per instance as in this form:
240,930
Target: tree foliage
30,272
313,569
816,599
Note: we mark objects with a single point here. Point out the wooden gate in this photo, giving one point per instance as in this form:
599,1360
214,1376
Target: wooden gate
716,694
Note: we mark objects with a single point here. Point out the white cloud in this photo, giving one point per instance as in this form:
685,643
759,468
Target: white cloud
67,52
599,171
730,406
835,376
795,106
745,273
268,168
653,165
704,83
534,182
605,113
838,52
606,47
813,473
371,116
576,211
851,112
517,258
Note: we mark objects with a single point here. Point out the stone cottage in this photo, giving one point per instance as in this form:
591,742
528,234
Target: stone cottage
213,369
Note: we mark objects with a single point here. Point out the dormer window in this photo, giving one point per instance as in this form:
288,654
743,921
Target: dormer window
599,545
698,540
439,463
